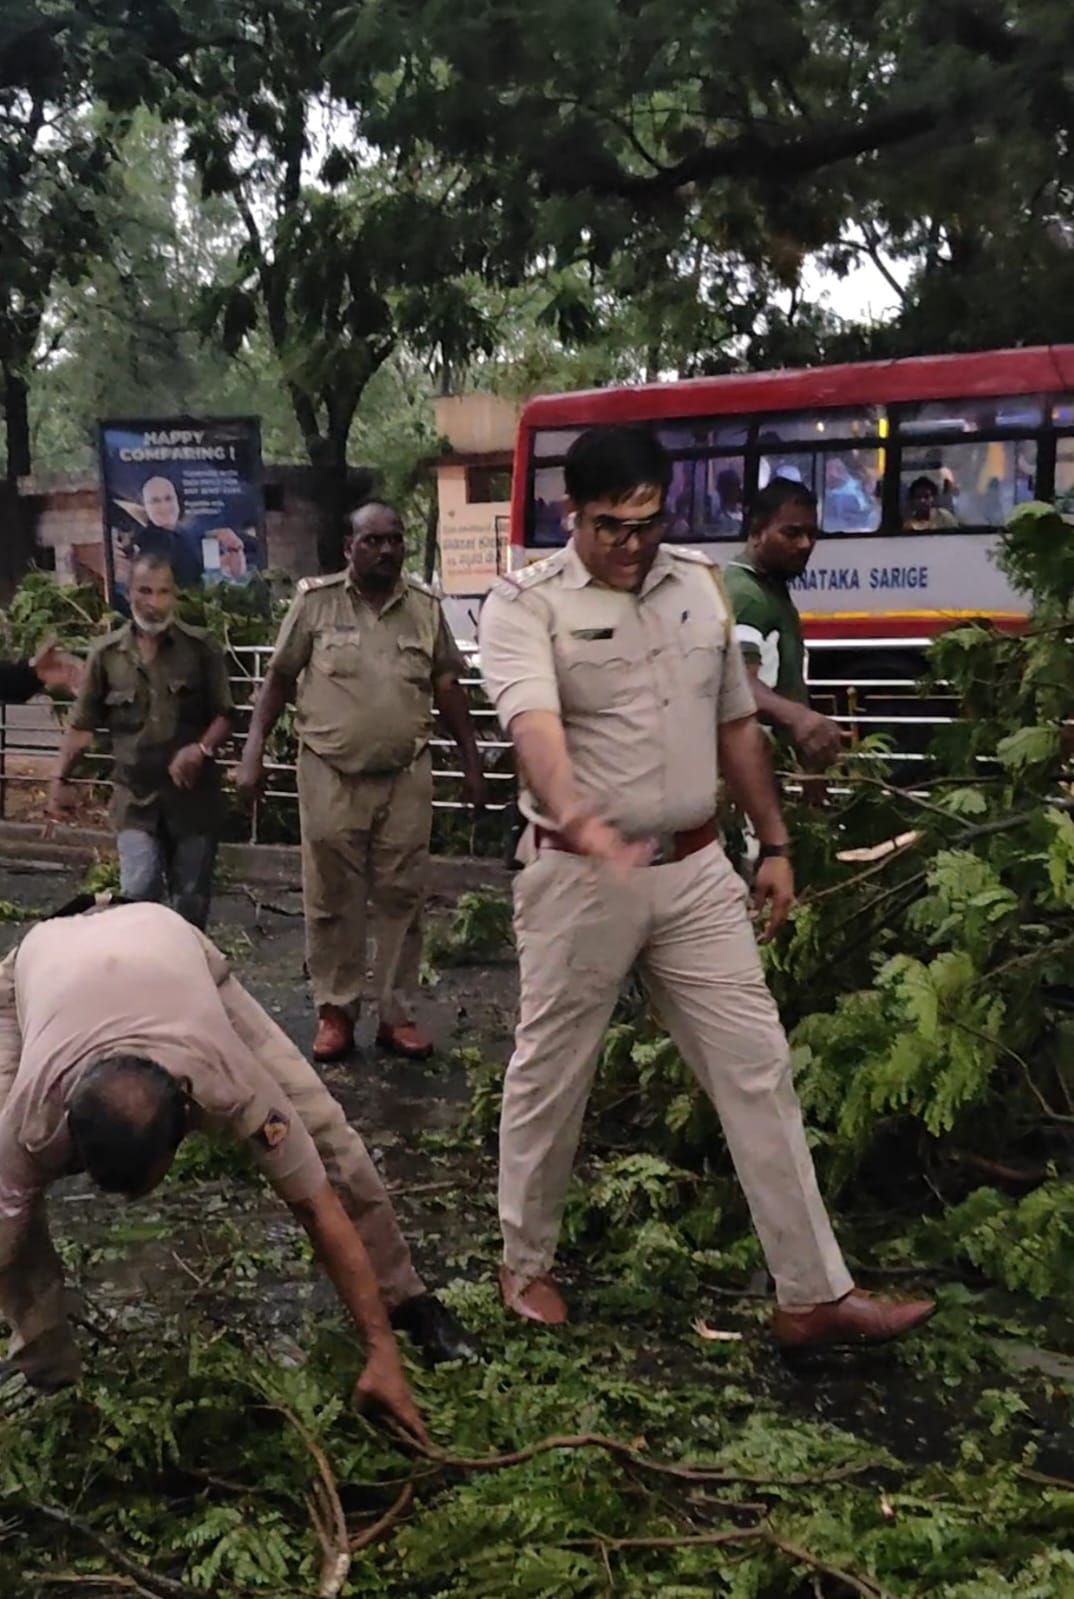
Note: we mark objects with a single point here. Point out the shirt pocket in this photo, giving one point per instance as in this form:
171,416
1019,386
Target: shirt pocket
124,712
595,674
415,662
700,644
336,652
185,694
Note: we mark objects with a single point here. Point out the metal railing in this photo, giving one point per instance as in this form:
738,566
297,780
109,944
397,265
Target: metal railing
30,734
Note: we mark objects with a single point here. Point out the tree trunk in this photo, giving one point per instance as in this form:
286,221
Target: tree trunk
337,489
432,529
16,517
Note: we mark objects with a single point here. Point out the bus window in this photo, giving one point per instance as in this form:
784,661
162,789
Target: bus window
705,433
971,416
967,485
1064,475
549,508
849,489
680,503
718,484
845,481
815,427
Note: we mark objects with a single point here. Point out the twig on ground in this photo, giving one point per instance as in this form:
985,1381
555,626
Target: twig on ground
326,1513
260,905
625,1451
425,1188
1043,1480
147,1581
369,1535
864,1586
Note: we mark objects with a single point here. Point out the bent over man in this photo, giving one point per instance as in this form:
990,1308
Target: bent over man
614,671
121,1029
367,656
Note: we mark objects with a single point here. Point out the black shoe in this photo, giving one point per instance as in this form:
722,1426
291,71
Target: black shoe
433,1328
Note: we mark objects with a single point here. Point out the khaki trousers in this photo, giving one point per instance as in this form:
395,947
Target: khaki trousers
32,1295
365,843
580,929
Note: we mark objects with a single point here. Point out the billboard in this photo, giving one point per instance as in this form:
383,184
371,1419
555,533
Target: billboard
187,488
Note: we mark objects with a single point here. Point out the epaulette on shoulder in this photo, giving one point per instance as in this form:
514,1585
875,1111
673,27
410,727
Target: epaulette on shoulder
511,584
306,585
681,552
419,583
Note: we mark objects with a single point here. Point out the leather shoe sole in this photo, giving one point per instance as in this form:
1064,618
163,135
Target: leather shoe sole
857,1320
540,1300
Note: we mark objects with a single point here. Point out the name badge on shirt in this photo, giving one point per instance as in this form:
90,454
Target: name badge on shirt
593,634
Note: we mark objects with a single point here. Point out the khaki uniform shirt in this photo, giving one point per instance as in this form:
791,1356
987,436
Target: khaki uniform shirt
152,709
640,681
365,678
138,980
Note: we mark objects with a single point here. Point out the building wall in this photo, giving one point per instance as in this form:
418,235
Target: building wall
473,538
68,528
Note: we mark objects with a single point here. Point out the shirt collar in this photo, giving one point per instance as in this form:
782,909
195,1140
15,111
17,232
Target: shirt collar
747,565
397,594
576,574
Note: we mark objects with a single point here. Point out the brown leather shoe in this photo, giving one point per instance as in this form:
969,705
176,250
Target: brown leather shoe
406,1040
857,1318
335,1034
540,1300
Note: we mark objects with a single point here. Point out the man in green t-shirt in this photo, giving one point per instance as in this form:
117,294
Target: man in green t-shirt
781,530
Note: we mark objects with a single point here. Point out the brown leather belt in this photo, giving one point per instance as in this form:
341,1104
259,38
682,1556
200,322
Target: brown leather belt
669,846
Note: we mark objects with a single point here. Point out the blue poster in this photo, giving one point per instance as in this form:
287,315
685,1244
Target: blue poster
189,489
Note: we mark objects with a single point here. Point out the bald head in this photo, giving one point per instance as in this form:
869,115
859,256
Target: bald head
161,502
127,1117
375,548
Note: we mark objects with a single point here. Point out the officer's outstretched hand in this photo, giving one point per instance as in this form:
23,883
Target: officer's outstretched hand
250,776
773,896
383,1387
588,835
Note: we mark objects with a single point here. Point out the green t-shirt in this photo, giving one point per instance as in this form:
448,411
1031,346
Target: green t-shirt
768,629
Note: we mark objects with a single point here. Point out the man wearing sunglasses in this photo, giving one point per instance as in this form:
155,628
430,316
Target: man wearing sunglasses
614,671
121,1029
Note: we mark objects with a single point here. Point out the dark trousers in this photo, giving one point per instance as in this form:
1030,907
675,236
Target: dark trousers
153,866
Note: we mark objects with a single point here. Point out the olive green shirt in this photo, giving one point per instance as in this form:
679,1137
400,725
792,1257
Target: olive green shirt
768,629
151,709
364,701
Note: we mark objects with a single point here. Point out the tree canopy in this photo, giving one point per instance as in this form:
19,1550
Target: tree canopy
521,195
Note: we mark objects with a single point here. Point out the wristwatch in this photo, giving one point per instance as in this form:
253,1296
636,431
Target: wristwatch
771,852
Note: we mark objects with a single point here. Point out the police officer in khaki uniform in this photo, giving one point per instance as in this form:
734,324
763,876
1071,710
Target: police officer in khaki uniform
372,656
160,689
614,670
121,1029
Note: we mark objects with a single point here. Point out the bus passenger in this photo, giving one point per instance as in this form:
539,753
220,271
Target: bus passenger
924,511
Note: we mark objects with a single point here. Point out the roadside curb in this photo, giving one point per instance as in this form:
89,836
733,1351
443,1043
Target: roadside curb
50,844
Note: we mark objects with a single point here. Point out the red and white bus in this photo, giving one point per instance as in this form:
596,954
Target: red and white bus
989,431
